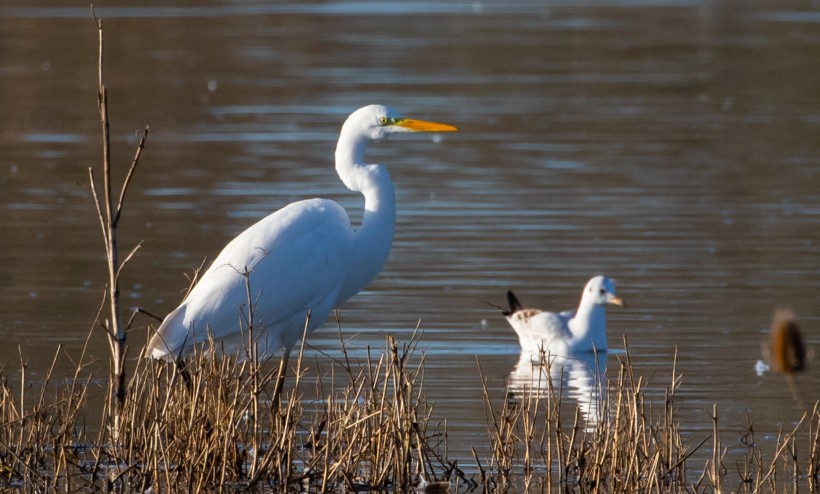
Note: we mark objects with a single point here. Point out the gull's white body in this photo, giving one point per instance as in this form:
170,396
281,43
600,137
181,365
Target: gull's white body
303,257
568,332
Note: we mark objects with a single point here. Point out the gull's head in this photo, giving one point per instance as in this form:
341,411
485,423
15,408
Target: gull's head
377,122
601,290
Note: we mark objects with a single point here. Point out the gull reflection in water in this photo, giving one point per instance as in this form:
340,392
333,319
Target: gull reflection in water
581,376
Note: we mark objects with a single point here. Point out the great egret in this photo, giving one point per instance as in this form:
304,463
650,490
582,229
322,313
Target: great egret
566,332
304,258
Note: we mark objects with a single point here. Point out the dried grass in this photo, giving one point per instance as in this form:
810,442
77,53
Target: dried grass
214,426
632,446
218,429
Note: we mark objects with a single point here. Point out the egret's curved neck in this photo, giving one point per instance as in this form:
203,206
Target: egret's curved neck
372,241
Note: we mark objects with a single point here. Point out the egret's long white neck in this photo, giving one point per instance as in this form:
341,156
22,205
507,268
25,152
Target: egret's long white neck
372,241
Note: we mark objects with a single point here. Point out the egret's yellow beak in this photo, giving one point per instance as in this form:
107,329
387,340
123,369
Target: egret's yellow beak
422,126
617,301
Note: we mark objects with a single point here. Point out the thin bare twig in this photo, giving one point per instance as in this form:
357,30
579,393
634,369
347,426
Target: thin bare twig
130,174
128,258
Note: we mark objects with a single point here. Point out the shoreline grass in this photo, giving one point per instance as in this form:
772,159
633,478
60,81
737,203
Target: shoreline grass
372,428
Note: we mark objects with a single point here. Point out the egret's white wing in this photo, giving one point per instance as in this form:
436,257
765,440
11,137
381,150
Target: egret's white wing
299,253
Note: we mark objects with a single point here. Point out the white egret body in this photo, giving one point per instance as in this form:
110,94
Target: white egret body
568,332
303,257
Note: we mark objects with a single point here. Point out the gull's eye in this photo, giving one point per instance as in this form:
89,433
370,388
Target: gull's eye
603,291
383,120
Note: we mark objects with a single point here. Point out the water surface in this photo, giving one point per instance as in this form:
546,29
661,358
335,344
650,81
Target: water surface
670,145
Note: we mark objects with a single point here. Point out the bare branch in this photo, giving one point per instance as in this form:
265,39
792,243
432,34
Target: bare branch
102,95
104,326
128,177
140,310
112,342
127,258
98,23
98,205
109,217
99,311
195,277
106,151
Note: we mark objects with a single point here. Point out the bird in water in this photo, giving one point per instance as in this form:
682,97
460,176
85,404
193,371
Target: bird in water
567,332
784,348
298,263
786,353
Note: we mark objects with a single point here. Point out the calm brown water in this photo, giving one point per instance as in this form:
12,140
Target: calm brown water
674,146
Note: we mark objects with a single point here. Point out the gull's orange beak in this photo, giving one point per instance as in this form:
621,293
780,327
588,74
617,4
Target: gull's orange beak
617,301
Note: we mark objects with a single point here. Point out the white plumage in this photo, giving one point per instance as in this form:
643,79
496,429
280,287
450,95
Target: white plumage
567,332
303,257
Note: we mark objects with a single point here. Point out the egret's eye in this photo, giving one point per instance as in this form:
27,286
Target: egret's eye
383,120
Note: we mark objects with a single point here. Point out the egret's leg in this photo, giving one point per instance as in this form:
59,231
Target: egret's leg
280,378
182,370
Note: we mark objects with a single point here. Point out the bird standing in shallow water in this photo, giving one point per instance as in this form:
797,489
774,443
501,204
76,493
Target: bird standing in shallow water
304,258
568,332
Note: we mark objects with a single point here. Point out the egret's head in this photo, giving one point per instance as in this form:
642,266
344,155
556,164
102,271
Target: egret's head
601,290
378,122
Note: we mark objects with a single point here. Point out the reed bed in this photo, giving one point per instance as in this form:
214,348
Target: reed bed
212,426
632,445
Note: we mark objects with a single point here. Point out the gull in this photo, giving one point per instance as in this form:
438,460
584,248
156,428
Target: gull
567,332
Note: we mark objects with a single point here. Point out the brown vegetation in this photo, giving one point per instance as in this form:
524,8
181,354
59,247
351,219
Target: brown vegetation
218,429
